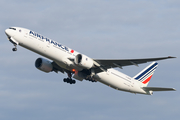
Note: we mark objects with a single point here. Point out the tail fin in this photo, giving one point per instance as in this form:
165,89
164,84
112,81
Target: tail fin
145,75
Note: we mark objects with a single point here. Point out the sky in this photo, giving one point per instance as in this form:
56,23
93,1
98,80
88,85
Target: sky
104,29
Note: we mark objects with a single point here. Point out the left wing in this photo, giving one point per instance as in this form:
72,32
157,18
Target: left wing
57,68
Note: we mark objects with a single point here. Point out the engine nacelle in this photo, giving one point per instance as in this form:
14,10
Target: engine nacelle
43,65
83,61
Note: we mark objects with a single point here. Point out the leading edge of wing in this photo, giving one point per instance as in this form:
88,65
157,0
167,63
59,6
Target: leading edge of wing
108,63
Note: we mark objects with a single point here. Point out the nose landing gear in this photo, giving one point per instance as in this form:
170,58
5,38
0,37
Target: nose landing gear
15,48
14,42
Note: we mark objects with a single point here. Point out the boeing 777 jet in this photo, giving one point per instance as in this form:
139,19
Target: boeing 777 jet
79,66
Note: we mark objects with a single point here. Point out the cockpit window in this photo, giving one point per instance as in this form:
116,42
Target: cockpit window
12,28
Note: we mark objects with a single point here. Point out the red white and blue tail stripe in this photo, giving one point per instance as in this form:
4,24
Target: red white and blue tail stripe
145,75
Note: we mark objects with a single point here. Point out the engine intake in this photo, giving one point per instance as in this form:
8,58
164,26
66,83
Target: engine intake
83,61
44,65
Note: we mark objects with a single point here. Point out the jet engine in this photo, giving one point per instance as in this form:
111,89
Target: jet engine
44,65
83,61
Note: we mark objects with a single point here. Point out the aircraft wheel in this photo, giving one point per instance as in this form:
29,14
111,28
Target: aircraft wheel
70,81
65,80
14,49
73,81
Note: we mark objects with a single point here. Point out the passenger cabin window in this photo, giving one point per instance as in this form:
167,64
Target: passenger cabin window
12,28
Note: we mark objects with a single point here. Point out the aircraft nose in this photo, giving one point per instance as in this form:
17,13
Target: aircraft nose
6,31
9,33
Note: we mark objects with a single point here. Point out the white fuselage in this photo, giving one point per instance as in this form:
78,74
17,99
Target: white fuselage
60,54
119,81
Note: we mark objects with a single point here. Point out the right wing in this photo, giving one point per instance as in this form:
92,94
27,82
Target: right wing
104,64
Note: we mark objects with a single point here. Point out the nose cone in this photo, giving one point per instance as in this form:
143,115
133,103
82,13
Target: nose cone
6,31
10,32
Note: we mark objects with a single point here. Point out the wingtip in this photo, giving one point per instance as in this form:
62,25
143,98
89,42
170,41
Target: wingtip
173,89
171,57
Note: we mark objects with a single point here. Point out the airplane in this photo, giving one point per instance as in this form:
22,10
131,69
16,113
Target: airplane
82,67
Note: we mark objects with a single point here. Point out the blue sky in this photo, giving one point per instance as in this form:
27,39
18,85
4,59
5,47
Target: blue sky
100,29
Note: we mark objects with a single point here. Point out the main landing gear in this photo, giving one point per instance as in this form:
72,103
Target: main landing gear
89,78
69,79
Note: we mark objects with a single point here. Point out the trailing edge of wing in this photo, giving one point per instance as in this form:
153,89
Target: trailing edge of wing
158,89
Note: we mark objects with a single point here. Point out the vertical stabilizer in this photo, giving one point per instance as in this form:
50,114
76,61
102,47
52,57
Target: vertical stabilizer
145,75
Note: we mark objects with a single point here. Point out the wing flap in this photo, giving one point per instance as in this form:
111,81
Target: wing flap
158,89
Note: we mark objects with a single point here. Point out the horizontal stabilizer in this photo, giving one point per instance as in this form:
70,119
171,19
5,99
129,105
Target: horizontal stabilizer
158,89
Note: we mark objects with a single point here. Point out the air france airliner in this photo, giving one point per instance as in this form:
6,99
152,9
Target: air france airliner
81,67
